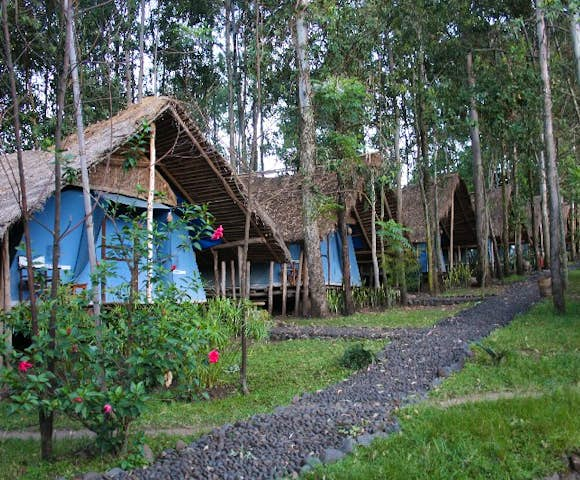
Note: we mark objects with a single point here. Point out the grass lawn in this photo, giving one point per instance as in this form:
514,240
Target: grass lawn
519,438
414,317
276,372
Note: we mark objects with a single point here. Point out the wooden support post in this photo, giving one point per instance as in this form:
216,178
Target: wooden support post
298,285
104,257
240,257
223,279
233,277
328,262
216,274
451,233
271,289
306,292
248,278
150,202
5,279
284,288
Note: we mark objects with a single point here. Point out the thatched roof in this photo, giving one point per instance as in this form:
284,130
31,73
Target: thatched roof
281,197
191,165
566,217
494,203
451,191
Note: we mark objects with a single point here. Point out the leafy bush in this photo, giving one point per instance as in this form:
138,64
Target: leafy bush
101,372
70,374
335,300
225,317
356,357
459,276
368,297
399,256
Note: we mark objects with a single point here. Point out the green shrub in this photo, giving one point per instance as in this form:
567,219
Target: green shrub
369,297
459,276
356,357
335,300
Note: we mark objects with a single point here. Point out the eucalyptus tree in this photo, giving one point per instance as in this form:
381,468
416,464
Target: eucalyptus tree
551,166
307,153
341,116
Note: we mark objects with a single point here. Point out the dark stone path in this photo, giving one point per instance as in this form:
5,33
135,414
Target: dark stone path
276,445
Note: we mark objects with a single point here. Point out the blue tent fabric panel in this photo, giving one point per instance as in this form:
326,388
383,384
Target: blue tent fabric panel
41,225
422,256
421,249
260,274
331,252
74,251
355,278
186,275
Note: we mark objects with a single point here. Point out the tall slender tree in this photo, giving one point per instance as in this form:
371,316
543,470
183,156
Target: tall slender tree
307,154
551,165
478,178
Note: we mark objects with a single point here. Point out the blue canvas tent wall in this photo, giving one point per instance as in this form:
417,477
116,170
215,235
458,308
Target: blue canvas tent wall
192,168
453,201
108,233
281,199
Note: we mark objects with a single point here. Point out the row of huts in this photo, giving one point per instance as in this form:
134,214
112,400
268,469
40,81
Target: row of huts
190,169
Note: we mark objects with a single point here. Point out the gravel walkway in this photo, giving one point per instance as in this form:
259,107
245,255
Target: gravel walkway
278,444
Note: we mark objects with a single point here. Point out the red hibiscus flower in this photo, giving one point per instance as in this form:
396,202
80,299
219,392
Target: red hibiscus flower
24,366
218,233
213,356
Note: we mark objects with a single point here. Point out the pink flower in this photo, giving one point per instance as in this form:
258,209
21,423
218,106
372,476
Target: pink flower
173,267
107,409
23,366
78,400
218,233
68,330
75,348
213,356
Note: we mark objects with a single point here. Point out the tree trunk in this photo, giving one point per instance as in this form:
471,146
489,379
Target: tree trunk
150,202
307,164
402,280
544,208
505,234
551,167
230,75
575,30
245,293
382,240
375,260
128,78
431,274
6,300
21,172
533,220
478,180
573,215
83,163
141,52
343,227
436,228
517,215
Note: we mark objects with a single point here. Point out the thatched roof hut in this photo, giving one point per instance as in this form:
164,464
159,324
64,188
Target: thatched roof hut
494,203
453,197
281,197
187,163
